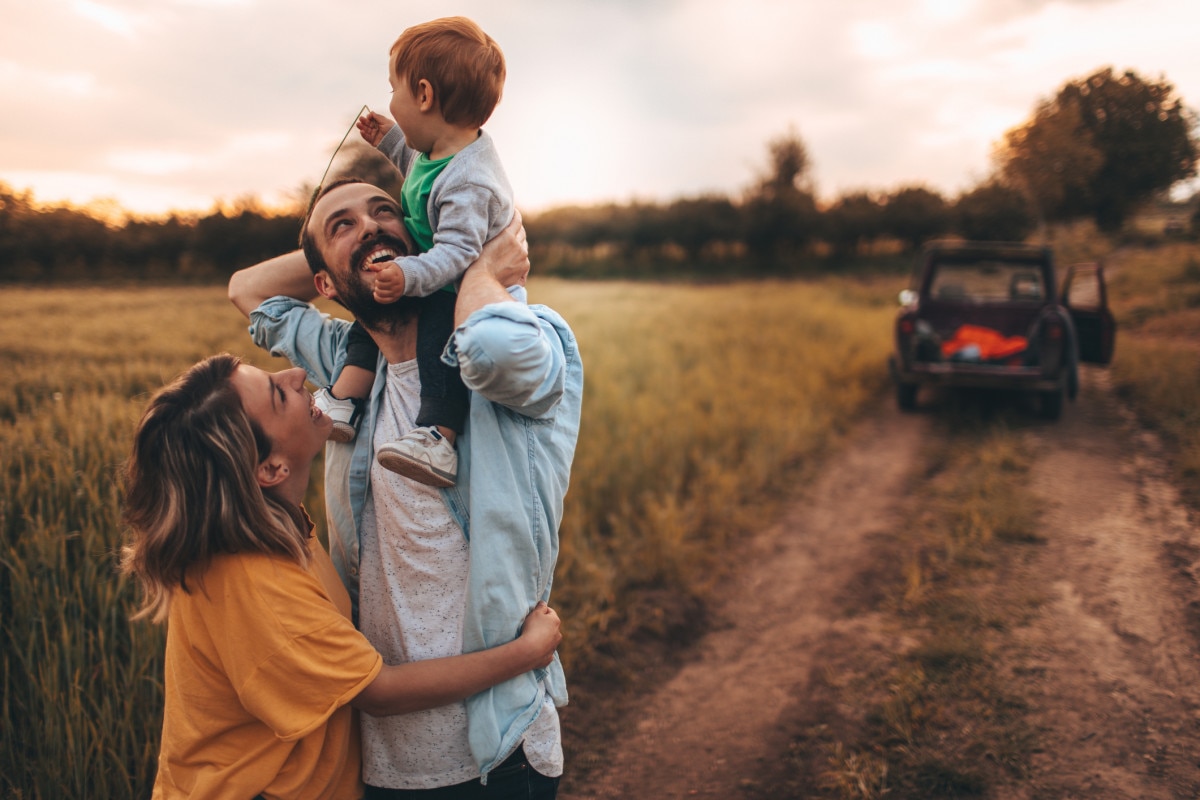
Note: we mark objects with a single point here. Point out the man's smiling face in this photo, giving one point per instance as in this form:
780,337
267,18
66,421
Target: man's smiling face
358,228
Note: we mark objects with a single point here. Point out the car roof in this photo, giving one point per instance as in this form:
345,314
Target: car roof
1007,250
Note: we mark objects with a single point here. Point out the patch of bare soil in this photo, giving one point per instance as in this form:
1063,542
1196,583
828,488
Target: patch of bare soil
717,725
1105,664
1109,663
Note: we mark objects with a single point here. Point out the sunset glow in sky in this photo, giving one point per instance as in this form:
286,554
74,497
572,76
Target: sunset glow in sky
160,104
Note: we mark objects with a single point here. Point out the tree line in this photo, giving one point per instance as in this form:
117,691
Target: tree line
1099,148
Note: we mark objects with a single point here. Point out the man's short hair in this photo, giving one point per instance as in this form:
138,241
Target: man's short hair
463,64
312,253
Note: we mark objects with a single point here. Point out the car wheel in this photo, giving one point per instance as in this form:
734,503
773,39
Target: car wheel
1050,404
906,396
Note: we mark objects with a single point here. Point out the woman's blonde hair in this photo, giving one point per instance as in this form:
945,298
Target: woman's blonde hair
191,491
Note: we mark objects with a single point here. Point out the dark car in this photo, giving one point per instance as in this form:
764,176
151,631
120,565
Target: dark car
989,315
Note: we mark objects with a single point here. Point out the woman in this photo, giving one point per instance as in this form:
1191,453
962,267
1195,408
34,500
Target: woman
263,664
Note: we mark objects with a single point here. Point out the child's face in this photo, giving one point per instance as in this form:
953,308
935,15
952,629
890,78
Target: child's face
407,112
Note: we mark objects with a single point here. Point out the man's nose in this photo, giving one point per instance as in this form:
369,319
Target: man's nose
369,229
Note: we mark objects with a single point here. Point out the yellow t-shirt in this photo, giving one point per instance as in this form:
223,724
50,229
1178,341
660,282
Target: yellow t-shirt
261,662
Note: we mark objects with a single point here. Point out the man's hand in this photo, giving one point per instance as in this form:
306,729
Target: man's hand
389,283
506,256
542,633
372,127
503,262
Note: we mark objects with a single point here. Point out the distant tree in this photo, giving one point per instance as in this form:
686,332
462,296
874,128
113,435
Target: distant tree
66,243
577,226
852,220
228,239
16,210
693,223
360,160
776,229
788,167
1100,147
914,215
153,248
1052,163
993,212
780,214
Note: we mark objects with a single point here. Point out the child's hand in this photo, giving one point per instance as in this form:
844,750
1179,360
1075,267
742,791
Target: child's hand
373,126
389,283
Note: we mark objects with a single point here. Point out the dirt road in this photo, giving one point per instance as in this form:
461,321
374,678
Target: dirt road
1107,665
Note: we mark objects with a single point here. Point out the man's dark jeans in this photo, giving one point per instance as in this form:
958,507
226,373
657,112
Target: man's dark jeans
512,780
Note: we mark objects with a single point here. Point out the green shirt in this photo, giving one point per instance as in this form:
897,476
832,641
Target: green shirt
414,195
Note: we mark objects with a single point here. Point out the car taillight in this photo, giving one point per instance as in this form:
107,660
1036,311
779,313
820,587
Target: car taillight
906,326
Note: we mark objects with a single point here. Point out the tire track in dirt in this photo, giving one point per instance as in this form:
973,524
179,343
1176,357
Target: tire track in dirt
1108,665
708,730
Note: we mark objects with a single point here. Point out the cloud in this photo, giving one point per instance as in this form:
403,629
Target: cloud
112,19
605,100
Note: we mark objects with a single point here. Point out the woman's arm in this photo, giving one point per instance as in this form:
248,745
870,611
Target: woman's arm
418,685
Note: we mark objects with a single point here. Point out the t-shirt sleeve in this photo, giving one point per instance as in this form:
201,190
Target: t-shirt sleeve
291,656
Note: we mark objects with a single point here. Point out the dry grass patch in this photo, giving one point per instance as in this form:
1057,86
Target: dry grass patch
701,402
1156,296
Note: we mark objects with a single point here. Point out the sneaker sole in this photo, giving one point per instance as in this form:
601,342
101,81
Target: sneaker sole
342,432
415,470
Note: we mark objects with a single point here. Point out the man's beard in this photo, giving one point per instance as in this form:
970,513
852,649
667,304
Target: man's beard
358,299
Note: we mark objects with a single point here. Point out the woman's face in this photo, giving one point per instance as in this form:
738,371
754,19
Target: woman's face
284,409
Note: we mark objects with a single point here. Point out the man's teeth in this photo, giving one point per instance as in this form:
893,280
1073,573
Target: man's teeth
377,257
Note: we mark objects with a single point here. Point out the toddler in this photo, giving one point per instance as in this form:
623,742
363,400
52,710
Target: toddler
446,77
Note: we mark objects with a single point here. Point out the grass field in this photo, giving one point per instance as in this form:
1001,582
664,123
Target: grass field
1156,297
701,404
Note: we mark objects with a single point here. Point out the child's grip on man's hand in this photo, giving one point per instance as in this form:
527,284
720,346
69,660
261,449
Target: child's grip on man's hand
389,283
372,127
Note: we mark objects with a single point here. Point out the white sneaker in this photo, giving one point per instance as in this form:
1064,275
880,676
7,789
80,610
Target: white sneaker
422,454
344,414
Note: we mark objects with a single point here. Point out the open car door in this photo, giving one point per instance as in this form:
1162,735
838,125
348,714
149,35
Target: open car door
1086,300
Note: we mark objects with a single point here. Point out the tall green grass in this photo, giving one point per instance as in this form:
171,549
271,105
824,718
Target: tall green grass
82,692
701,404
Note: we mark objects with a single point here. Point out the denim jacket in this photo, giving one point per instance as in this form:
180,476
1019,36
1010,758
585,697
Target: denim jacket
522,366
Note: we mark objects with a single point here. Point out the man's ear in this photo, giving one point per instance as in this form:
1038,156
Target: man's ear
425,96
324,285
271,472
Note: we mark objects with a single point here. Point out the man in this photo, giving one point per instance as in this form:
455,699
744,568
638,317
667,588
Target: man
451,570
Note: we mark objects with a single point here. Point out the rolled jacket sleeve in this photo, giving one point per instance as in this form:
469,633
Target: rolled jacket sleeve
511,356
304,335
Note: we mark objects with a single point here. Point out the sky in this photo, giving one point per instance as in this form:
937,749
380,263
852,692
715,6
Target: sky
152,105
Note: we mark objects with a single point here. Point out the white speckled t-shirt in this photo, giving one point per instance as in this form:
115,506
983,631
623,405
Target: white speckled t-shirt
412,594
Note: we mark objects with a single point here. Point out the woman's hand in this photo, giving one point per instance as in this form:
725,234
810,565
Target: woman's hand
542,634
